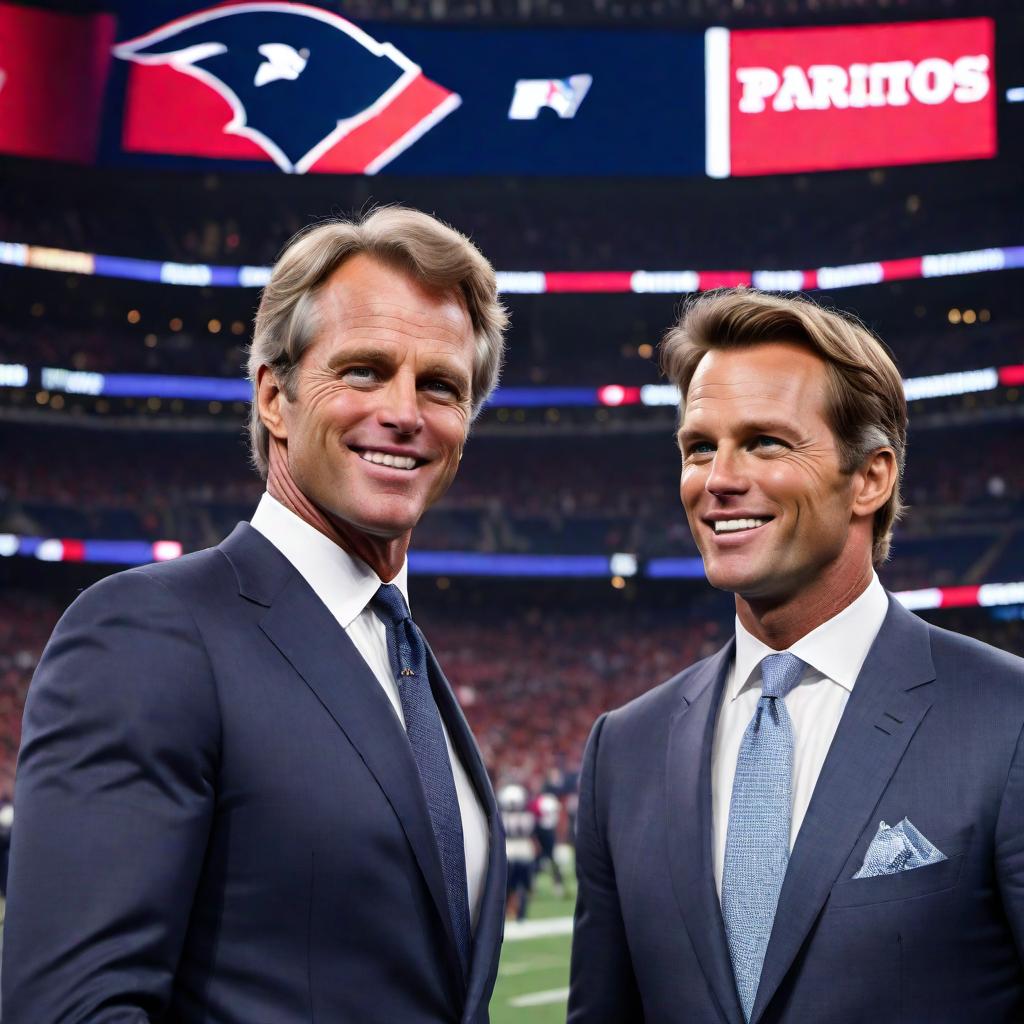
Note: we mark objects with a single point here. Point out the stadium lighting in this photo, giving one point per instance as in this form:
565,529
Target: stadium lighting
611,394
50,550
13,375
231,389
623,564
941,385
165,550
537,282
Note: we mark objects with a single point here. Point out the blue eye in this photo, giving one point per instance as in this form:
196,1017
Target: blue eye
701,448
363,374
764,441
442,387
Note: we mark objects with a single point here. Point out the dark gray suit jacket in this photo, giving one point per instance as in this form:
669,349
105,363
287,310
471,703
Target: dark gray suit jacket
219,818
932,731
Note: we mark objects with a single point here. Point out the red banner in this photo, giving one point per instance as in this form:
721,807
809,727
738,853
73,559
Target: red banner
53,69
790,100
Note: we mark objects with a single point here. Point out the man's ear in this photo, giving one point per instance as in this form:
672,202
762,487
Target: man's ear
270,398
874,482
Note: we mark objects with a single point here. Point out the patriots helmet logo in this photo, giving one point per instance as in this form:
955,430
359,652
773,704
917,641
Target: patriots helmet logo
300,80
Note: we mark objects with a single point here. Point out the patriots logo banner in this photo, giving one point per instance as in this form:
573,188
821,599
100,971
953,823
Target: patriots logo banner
294,88
276,81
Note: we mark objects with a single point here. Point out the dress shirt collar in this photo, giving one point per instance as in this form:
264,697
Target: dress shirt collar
344,583
836,649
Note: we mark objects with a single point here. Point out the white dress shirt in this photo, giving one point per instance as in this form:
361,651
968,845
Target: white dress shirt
833,654
346,586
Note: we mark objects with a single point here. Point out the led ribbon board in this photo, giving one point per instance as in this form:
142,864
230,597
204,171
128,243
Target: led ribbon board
288,87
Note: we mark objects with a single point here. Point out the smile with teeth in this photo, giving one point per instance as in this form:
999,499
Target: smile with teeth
735,525
386,459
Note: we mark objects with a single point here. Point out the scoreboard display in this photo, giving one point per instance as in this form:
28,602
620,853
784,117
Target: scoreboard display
791,100
295,88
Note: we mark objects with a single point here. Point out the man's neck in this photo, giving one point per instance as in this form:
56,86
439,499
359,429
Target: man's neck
779,623
384,555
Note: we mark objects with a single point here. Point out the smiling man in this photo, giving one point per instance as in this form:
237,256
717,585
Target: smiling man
246,792
824,821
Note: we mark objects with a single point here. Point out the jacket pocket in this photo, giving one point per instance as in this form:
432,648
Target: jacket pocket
904,885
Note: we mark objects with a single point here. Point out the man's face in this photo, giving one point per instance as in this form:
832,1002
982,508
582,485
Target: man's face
376,427
761,484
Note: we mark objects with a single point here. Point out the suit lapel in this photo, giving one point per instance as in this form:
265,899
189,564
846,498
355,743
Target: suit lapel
491,918
878,723
688,794
299,625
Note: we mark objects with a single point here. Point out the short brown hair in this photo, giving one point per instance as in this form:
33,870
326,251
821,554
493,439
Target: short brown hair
430,251
865,401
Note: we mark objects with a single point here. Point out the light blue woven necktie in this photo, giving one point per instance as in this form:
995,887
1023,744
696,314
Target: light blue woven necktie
760,814
407,652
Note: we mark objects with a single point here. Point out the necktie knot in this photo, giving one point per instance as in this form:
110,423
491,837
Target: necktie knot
390,605
779,674
405,642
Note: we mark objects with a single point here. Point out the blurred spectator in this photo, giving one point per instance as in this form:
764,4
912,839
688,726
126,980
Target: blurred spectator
547,809
519,824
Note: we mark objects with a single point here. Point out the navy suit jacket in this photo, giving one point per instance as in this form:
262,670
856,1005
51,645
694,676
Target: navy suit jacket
220,819
932,731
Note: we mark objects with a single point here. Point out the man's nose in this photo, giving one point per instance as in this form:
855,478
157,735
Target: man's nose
400,408
727,474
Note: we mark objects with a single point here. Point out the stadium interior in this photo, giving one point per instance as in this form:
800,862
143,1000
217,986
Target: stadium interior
583,487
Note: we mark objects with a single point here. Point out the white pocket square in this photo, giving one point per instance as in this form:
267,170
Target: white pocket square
898,848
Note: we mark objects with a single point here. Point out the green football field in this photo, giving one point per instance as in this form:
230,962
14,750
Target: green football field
533,978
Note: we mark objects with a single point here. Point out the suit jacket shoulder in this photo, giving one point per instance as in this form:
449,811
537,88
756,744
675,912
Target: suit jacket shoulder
653,709
244,563
964,657
166,584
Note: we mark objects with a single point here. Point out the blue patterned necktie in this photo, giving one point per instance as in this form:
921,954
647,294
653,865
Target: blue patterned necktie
760,815
407,651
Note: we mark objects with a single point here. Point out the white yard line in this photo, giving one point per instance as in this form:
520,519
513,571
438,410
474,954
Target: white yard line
516,931
541,963
554,995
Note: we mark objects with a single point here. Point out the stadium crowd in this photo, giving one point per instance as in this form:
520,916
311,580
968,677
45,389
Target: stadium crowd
587,495
235,220
215,345
533,682
26,621
531,678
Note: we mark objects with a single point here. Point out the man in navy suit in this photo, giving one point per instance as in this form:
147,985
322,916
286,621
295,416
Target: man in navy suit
246,792
824,821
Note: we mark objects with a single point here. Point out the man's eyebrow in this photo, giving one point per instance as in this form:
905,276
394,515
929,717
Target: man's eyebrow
752,426
690,433
443,369
766,426
360,354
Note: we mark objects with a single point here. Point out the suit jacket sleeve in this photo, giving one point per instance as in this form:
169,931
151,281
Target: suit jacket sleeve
1009,847
603,988
113,803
